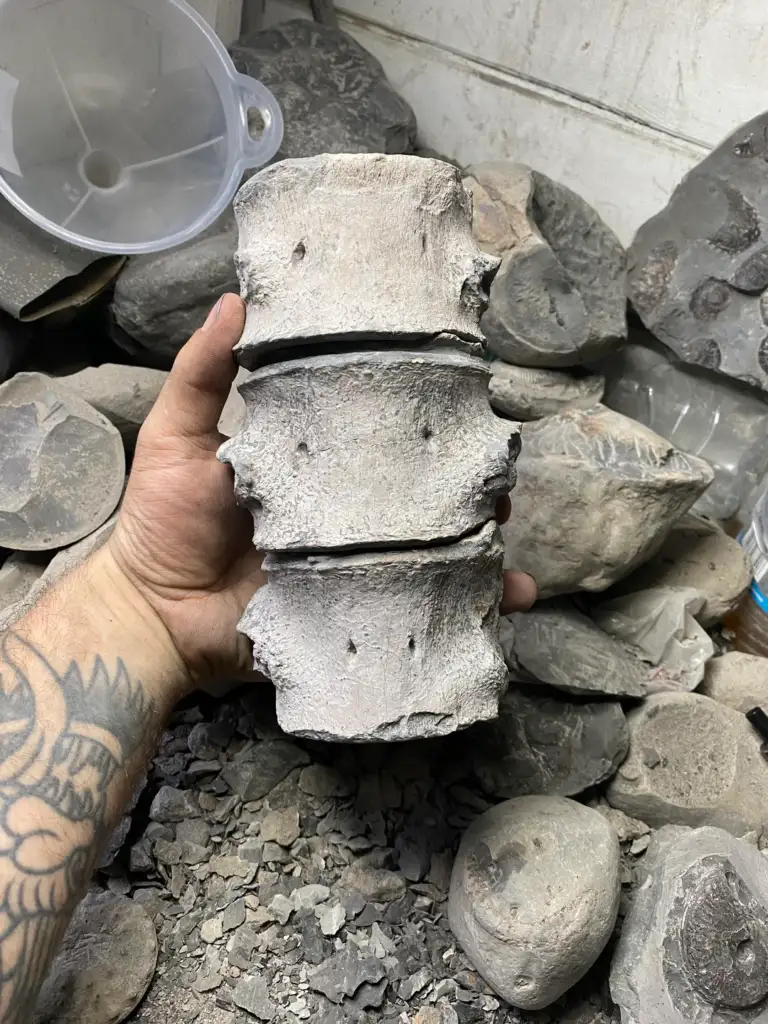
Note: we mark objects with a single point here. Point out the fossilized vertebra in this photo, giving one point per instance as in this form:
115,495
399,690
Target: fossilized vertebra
370,458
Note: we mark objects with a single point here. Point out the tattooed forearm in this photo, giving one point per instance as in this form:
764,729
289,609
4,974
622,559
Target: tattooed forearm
68,741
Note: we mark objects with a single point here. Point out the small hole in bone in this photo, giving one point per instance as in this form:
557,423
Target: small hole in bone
744,953
351,649
302,449
426,433
255,505
299,252
411,644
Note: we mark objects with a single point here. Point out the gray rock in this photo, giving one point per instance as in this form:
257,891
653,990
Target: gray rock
104,964
403,678
161,299
124,394
18,575
60,565
259,769
322,781
331,919
700,555
281,826
62,465
558,299
170,805
343,974
697,271
306,897
376,884
558,645
526,393
305,268
234,915
596,495
300,452
662,624
252,995
542,744
333,93
693,762
738,680
534,896
694,946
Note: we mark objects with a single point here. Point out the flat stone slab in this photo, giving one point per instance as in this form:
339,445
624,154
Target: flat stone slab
370,449
382,645
62,465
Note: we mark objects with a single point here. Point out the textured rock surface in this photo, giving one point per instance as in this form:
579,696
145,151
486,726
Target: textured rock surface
62,563
695,944
698,270
534,896
526,393
334,95
18,575
558,299
310,273
697,554
738,680
556,644
124,394
104,964
694,762
662,624
409,639
346,432
596,495
62,465
162,298
543,745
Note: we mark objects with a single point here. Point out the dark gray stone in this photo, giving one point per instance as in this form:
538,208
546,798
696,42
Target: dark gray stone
262,767
334,94
556,644
695,944
558,298
252,994
542,744
170,805
104,965
698,270
343,974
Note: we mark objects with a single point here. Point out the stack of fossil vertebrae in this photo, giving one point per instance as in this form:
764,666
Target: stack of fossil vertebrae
370,457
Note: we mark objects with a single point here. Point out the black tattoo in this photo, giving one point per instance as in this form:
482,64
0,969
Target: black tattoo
65,739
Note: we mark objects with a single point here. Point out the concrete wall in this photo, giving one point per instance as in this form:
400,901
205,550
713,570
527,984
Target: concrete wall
616,98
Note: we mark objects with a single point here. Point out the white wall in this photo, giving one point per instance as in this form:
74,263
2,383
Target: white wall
615,98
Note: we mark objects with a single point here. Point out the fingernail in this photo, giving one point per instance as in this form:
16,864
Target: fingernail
213,316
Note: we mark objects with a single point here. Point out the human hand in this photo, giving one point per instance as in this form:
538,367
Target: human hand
180,538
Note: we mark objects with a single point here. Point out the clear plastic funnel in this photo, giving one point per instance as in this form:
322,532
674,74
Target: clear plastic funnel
124,126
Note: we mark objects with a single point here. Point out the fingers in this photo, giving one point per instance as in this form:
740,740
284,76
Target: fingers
519,592
191,402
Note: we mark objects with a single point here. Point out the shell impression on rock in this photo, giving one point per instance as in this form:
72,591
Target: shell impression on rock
370,458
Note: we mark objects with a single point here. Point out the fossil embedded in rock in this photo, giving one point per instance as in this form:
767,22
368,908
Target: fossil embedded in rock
308,447
370,458
62,465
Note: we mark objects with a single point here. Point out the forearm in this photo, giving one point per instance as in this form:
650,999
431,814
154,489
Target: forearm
87,679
